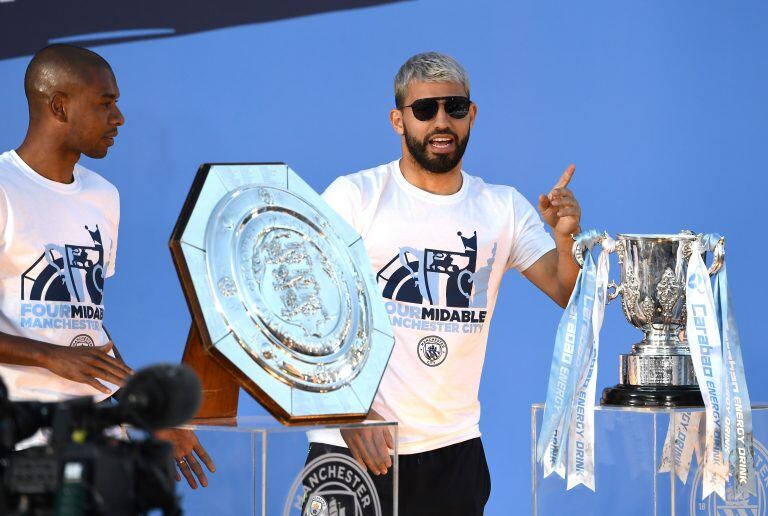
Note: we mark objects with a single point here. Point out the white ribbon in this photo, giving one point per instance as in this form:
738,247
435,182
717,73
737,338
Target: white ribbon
569,360
706,352
568,421
581,447
682,440
724,432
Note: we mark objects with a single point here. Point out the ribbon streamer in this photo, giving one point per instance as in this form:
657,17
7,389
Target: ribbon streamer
716,352
569,408
581,439
706,352
681,442
723,442
737,425
721,437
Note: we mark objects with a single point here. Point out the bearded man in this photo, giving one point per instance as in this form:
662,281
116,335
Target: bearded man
440,240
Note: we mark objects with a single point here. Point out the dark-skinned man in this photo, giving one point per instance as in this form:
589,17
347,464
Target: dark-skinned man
440,241
58,237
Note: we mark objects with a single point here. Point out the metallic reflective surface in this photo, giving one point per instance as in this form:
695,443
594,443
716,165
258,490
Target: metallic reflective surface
647,369
301,309
284,291
652,289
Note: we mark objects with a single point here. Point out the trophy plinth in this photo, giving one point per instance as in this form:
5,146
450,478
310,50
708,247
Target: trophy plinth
658,372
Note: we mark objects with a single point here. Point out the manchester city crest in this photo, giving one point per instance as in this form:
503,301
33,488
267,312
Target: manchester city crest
317,506
754,505
432,350
333,485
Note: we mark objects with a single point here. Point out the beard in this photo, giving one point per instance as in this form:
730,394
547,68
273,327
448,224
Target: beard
441,163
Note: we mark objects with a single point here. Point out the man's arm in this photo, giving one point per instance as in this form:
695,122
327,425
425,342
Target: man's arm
184,443
371,447
80,364
555,273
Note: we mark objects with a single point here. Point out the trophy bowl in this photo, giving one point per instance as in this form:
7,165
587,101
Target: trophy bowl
658,371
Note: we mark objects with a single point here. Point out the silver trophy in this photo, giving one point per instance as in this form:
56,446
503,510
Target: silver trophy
658,371
282,292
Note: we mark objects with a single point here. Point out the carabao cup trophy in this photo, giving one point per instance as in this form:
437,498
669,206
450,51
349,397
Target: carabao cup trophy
658,371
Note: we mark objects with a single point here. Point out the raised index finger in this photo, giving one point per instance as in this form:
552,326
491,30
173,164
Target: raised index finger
566,177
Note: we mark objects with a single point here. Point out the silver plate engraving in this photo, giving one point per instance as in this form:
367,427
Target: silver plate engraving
285,292
302,298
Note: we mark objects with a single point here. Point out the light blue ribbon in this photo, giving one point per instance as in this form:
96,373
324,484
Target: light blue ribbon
574,333
739,422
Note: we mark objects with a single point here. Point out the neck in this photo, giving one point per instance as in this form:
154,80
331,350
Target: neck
443,183
45,154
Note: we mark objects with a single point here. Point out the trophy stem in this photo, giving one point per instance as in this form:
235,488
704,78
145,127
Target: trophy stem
661,339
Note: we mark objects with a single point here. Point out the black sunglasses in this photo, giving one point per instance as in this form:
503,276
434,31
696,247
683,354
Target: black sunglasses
426,109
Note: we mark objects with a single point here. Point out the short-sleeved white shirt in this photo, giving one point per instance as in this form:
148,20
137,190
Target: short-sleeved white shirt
57,245
438,261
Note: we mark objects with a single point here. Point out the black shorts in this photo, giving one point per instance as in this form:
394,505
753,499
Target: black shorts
449,481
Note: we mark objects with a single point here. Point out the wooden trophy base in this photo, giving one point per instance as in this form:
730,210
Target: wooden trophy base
220,389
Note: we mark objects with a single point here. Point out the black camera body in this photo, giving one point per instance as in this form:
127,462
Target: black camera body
116,478
82,470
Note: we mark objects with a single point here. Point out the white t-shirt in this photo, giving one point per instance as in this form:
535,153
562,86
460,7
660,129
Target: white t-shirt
438,260
57,244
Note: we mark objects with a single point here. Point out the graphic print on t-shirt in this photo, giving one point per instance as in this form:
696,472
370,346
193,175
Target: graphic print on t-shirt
65,274
437,277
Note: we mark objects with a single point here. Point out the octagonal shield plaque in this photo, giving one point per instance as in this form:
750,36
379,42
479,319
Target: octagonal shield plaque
282,292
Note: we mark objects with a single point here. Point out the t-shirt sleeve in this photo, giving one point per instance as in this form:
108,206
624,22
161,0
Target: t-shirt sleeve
530,241
344,196
112,251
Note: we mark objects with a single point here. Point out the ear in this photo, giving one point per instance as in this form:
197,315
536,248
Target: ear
59,105
472,114
396,119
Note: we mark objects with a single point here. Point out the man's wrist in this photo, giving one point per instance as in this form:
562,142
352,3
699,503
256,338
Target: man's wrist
565,238
40,353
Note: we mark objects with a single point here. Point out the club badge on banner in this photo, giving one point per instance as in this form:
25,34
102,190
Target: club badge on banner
568,421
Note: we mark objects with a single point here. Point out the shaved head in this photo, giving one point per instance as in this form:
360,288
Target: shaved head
62,69
72,95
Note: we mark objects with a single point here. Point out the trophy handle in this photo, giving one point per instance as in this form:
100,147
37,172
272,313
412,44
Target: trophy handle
718,257
617,289
580,245
718,250
578,253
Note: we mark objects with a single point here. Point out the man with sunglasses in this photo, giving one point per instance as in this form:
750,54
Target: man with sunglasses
440,241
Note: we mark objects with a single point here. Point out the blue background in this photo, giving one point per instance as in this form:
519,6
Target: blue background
661,105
